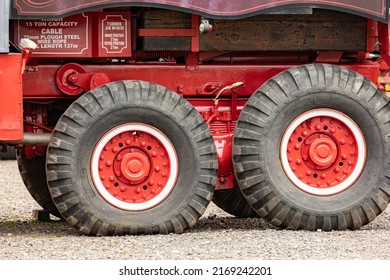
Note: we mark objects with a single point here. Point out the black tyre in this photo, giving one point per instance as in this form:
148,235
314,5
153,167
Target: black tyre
10,154
233,202
310,149
33,173
131,157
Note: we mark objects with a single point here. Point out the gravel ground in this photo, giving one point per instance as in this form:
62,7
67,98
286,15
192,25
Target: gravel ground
217,236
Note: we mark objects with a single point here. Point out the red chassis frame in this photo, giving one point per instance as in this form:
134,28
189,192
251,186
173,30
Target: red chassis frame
198,83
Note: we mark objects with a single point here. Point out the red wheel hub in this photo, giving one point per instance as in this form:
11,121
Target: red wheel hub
323,152
136,166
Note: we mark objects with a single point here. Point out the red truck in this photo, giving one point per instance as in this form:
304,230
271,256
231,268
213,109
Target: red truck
131,116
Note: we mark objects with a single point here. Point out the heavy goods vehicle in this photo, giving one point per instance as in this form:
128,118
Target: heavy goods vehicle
131,116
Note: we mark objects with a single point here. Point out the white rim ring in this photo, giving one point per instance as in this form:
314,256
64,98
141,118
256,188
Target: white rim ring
361,146
174,167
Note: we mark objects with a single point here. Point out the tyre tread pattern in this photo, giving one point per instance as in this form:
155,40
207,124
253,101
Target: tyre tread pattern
283,88
94,104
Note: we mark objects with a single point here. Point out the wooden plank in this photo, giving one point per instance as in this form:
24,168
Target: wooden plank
323,30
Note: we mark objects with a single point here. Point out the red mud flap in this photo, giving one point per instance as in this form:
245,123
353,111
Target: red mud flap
11,109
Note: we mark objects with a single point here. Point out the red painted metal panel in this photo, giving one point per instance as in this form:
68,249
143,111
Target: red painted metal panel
65,37
114,35
179,78
11,111
373,8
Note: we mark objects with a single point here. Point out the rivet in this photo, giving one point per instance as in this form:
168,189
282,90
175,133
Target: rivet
294,169
298,161
323,175
105,148
108,163
111,178
154,154
150,183
123,189
342,141
101,157
343,156
114,150
115,193
124,197
305,133
336,170
153,191
165,164
107,186
308,172
345,172
138,190
162,154
159,184
144,196
157,169
290,160
103,178
350,163
332,130
128,142
297,146
300,176
118,173
318,127
338,178
163,174
328,182
288,150
352,153
143,143
100,167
